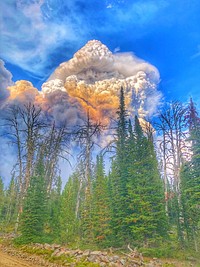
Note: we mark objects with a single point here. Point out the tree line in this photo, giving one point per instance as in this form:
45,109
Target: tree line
150,195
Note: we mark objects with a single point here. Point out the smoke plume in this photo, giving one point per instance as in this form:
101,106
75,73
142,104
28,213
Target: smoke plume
90,81
94,77
5,80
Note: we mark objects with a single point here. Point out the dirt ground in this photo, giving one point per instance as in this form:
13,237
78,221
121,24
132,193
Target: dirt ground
11,261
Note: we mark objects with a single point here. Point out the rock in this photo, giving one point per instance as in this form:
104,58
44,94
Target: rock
115,258
60,253
86,253
150,264
96,253
92,258
55,252
67,252
76,252
114,264
55,246
104,259
47,246
123,262
79,252
38,245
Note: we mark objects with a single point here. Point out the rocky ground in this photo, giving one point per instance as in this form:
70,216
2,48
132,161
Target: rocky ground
39,255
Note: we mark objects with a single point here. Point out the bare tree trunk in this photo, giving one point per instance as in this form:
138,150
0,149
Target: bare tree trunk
25,123
86,135
172,127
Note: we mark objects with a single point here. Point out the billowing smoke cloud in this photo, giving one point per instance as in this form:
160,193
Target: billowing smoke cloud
55,102
91,81
94,76
5,80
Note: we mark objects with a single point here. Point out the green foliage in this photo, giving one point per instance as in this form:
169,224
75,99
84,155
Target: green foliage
136,189
62,259
86,222
54,206
34,213
100,201
118,179
147,218
190,181
127,207
9,208
68,221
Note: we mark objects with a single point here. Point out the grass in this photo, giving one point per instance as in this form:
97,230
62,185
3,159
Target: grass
168,253
62,259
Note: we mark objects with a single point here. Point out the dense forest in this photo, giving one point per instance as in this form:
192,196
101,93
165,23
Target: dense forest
142,188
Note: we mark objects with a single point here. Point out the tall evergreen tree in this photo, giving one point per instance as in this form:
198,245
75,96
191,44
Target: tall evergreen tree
86,222
119,177
147,219
190,178
34,213
115,204
69,224
10,205
100,202
54,205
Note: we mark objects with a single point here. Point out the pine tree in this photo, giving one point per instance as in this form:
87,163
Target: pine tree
69,224
34,213
10,205
147,219
100,202
86,222
121,156
190,178
54,204
119,177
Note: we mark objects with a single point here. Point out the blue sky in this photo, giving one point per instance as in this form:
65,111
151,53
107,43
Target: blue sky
37,35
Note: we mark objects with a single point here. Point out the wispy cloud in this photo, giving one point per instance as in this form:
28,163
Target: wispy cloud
138,12
29,39
197,54
35,33
141,12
